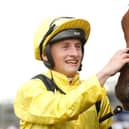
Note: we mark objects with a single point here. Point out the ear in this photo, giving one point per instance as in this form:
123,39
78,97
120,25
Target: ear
44,57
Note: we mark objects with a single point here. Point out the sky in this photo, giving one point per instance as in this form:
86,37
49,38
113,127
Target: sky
20,18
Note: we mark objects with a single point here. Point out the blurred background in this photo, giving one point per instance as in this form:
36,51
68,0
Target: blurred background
18,22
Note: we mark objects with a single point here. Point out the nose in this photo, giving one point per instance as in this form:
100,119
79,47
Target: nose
74,51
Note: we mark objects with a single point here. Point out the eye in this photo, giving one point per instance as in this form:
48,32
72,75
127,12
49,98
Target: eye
78,46
65,46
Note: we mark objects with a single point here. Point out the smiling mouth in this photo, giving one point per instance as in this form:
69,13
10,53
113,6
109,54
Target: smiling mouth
74,62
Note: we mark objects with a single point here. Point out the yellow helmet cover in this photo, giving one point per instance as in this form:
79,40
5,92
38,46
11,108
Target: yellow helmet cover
60,24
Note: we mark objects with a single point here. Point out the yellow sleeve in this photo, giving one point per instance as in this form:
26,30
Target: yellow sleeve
33,103
105,109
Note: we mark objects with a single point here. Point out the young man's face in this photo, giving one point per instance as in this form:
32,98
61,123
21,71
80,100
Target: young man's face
67,56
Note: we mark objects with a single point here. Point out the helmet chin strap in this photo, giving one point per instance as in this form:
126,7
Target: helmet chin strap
49,63
51,75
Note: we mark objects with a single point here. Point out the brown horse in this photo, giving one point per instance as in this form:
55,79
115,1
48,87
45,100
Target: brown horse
122,86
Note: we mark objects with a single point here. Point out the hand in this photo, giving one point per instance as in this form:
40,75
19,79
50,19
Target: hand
118,60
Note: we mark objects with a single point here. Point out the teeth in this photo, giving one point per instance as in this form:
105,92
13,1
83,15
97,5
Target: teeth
73,62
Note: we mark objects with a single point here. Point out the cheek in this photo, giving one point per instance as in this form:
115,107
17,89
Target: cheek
59,63
57,56
80,54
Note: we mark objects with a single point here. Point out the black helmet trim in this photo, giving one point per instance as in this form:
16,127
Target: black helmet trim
50,62
69,33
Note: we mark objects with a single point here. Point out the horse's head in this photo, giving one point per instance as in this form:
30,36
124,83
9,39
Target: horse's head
122,87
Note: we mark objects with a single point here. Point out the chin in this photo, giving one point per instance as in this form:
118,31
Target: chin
71,73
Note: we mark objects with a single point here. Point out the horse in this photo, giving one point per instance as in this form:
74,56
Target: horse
122,85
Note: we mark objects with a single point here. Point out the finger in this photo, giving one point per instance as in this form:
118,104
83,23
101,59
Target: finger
125,50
